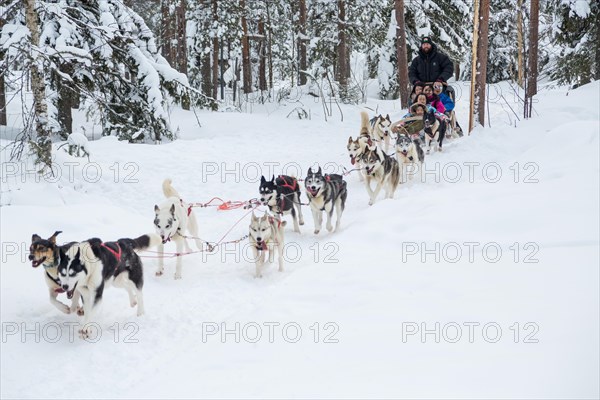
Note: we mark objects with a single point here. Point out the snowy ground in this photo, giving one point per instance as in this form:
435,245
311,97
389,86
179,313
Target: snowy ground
481,281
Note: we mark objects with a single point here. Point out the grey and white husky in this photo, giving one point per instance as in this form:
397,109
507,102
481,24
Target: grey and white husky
173,220
382,169
409,154
356,148
325,193
382,131
266,235
87,267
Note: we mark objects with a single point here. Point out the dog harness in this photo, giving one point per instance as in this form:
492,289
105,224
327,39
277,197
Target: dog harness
59,289
189,210
117,253
292,187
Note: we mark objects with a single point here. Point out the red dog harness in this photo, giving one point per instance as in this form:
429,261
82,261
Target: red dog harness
117,253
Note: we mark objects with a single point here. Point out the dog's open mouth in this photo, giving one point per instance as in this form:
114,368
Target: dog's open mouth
70,292
370,170
352,160
261,245
36,263
312,191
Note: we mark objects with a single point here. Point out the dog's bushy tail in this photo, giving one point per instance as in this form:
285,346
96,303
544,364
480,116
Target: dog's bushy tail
146,241
168,190
365,125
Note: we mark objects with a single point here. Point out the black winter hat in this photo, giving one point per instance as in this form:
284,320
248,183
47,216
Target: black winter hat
426,39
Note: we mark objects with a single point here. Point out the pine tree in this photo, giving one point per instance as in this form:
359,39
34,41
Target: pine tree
575,29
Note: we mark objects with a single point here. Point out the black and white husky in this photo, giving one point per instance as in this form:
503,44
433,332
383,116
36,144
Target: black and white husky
266,235
282,196
87,267
382,169
325,193
46,252
173,220
409,154
435,131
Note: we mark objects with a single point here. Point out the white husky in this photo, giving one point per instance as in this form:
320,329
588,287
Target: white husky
266,234
173,220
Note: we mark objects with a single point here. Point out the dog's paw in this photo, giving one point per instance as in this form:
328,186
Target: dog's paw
85,333
317,231
133,303
64,308
370,202
80,311
159,273
329,228
140,312
177,275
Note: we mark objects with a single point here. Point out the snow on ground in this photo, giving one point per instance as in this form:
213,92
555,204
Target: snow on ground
481,281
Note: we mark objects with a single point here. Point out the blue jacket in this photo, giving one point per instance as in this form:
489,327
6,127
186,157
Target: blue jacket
447,101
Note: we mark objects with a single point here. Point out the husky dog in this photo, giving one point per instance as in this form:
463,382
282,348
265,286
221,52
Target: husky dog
325,193
382,169
357,147
45,252
282,196
266,234
408,152
435,130
88,266
382,131
172,220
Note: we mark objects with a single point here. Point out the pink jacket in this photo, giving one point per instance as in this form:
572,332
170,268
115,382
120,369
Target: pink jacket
437,104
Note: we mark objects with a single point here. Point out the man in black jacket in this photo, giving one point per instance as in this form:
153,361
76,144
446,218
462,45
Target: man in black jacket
430,65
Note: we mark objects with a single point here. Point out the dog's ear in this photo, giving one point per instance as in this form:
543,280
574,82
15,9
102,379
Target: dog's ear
349,139
253,216
35,237
172,209
273,178
262,179
387,116
309,171
319,172
156,209
52,238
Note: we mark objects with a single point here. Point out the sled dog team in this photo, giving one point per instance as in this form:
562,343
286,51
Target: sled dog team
82,270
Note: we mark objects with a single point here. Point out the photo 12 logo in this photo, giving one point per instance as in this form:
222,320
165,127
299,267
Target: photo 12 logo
53,332
471,332
269,332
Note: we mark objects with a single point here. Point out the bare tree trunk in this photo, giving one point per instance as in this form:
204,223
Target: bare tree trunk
167,32
456,71
270,46
532,73
342,48
401,55
65,101
3,119
302,42
42,145
520,66
474,47
215,53
206,72
247,72
482,53
262,62
182,61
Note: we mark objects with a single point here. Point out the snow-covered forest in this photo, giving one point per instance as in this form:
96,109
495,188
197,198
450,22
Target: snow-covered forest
478,279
